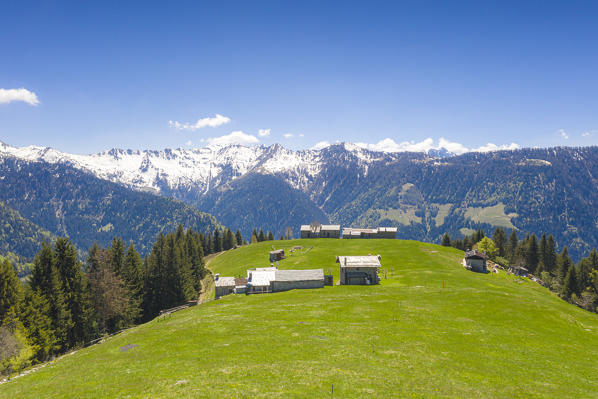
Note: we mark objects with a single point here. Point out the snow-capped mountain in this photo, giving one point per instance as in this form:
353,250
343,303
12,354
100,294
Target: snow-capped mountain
198,170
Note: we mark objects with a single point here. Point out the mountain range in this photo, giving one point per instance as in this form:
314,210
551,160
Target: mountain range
424,194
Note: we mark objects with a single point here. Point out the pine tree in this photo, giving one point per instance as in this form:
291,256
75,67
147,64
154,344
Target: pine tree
217,241
133,276
531,254
270,236
550,256
239,237
570,284
512,244
584,271
37,321
254,239
261,237
564,264
446,240
117,254
500,240
542,253
75,290
11,293
46,279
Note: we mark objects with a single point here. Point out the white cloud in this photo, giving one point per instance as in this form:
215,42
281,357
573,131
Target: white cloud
236,137
288,135
263,132
320,145
188,143
216,121
586,134
389,145
22,94
301,135
493,147
563,134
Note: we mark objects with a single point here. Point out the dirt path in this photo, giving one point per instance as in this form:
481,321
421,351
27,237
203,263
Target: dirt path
207,284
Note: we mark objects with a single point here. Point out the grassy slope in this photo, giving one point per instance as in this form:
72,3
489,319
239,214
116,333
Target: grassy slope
481,336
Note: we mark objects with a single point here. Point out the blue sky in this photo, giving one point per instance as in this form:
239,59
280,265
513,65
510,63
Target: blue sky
113,75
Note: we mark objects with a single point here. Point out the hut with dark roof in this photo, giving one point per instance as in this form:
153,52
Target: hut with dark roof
475,261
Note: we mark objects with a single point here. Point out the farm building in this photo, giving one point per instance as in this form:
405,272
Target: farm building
359,270
321,231
518,270
285,280
224,285
240,285
380,232
276,255
475,261
259,279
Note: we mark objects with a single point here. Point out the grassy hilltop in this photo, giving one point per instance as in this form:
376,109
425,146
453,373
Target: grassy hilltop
489,336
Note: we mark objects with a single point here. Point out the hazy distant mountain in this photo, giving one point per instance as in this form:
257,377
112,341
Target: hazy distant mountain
424,195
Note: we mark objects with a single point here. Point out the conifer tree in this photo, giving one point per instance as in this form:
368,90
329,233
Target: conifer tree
261,237
133,276
500,240
564,264
46,279
117,254
254,239
446,240
512,244
75,289
270,236
11,293
584,271
531,254
37,321
217,241
570,284
542,254
550,256
239,237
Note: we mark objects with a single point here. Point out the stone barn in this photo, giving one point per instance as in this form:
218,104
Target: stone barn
285,280
276,255
224,285
475,261
359,270
259,280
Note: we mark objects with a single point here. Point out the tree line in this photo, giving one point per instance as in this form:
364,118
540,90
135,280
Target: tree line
66,303
577,284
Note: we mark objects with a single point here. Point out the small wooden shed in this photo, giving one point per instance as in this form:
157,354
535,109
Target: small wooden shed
475,261
276,255
359,270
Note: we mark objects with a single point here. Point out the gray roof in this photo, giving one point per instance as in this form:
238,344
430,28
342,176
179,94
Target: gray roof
330,227
225,282
299,275
359,261
276,251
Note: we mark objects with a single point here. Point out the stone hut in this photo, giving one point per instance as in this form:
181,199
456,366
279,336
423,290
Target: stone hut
359,270
285,280
475,261
224,285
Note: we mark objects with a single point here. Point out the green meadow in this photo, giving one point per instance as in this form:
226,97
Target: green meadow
430,329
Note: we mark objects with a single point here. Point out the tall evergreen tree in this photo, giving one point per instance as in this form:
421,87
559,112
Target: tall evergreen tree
550,256
500,240
512,244
117,254
261,237
11,293
564,264
38,323
133,277
543,254
217,241
270,236
46,279
75,289
446,240
531,254
239,237
584,271
570,284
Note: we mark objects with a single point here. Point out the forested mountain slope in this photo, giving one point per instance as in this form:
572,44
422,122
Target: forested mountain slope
68,202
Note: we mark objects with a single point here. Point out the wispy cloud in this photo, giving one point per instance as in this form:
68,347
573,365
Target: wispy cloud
563,134
301,135
389,145
263,132
215,121
236,137
586,134
288,135
189,143
22,94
